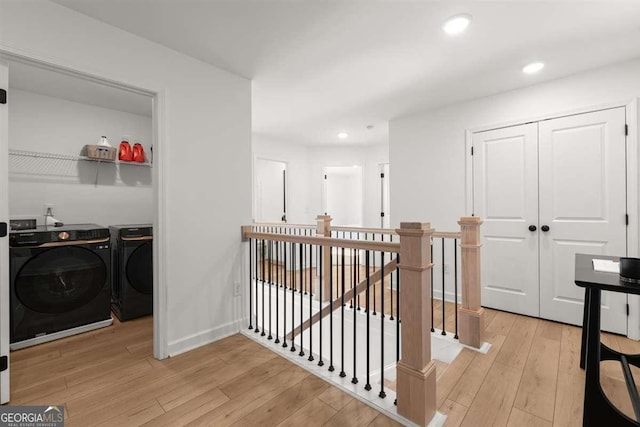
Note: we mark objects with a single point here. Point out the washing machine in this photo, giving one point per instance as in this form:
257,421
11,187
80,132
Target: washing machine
60,282
132,263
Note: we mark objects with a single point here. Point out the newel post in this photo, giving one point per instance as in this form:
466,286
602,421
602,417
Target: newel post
470,313
323,229
416,372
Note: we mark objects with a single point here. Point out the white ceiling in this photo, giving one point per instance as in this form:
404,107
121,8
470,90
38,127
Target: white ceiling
320,67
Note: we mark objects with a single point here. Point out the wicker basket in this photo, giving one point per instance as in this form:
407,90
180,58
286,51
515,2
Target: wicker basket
101,152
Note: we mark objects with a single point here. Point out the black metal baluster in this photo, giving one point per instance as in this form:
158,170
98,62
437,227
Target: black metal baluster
358,275
432,329
257,267
395,402
278,285
263,276
320,286
368,302
342,373
366,262
301,300
279,275
293,294
284,294
354,380
455,282
391,284
373,237
331,368
352,273
444,332
382,394
250,283
307,287
270,337
310,303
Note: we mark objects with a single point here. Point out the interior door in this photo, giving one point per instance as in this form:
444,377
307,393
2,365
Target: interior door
385,219
343,195
582,209
4,241
505,169
271,191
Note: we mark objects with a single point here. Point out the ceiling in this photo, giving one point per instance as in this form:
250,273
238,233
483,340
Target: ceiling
321,67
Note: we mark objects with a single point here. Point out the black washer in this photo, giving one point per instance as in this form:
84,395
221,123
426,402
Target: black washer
60,279
132,261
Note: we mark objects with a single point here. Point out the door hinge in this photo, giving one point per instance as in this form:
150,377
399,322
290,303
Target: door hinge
382,175
382,214
626,129
3,96
4,363
3,229
626,219
472,151
627,309
325,177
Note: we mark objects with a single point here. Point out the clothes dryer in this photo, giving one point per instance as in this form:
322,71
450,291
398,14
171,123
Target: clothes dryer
132,256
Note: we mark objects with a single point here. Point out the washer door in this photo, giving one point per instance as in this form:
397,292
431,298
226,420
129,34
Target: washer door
60,279
139,268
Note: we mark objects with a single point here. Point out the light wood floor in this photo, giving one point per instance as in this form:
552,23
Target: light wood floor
529,377
109,377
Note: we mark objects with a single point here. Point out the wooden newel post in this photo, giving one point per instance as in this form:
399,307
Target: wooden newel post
323,229
470,313
416,372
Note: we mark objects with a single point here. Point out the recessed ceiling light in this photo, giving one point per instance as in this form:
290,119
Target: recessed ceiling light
533,68
456,24
343,135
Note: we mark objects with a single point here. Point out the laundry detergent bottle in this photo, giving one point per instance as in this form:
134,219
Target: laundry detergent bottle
138,153
126,154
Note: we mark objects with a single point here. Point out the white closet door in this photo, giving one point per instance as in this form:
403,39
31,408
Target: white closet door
4,242
583,202
505,172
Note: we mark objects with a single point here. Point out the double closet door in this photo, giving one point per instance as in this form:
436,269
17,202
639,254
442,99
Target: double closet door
546,191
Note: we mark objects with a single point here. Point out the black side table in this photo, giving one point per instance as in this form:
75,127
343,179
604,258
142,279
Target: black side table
598,409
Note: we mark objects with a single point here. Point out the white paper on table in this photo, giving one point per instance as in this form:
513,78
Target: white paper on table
606,265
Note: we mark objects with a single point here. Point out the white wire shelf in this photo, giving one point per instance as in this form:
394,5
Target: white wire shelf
70,157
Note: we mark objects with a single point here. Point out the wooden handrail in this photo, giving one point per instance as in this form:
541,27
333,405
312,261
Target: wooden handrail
366,245
364,230
337,303
283,225
387,231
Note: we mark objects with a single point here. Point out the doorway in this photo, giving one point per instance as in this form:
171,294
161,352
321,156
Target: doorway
343,195
271,190
546,191
34,171
385,218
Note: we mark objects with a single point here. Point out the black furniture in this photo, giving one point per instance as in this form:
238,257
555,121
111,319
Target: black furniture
598,410
132,260
59,282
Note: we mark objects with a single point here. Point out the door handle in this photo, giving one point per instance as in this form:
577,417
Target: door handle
544,228
532,228
3,229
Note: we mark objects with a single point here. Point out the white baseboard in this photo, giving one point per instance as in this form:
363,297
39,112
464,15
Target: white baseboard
205,337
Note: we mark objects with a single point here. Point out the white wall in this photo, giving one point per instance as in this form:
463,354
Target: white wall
427,150
202,161
123,194
305,171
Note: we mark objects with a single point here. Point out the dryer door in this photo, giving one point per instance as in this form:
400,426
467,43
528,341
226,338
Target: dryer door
60,279
139,269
